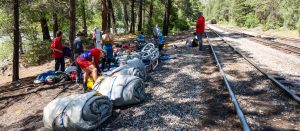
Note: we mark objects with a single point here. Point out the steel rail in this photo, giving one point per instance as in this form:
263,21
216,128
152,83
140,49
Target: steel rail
294,95
232,95
289,48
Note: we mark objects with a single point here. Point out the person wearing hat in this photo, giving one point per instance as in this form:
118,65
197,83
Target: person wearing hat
200,26
78,49
107,41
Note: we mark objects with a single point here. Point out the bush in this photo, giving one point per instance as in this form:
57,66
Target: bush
6,50
251,21
37,53
181,25
298,26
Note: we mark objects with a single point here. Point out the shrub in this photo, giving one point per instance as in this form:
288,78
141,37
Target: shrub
251,21
181,25
6,50
298,26
37,53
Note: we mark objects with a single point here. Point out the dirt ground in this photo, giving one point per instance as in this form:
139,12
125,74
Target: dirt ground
182,93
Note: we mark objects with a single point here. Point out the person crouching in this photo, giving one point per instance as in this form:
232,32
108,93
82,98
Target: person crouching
89,63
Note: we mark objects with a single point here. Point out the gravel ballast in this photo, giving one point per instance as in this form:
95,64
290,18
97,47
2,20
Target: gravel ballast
265,105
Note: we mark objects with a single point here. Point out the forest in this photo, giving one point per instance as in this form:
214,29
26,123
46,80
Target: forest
270,14
27,26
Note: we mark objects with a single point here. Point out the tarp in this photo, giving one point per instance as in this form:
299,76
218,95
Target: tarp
133,71
77,112
122,90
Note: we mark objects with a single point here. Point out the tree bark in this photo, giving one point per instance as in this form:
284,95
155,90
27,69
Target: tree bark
104,16
112,15
125,16
140,23
21,45
15,75
151,11
108,20
55,24
83,18
168,7
72,22
132,25
45,29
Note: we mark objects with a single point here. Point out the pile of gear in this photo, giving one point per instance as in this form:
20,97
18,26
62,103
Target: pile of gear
122,86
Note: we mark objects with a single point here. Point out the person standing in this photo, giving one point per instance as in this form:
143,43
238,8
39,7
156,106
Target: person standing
200,26
57,52
78,44
107,41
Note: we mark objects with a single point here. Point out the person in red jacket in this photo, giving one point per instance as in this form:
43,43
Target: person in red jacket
200,26
89,63
57,52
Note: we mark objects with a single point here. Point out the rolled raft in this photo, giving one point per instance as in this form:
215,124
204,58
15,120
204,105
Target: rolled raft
122,90
133,71
77,112
137,63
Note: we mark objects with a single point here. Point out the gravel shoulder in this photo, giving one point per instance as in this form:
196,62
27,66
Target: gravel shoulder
184,93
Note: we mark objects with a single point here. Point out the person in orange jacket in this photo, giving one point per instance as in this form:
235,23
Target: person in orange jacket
200,26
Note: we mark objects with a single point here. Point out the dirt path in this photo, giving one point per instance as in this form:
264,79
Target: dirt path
26,72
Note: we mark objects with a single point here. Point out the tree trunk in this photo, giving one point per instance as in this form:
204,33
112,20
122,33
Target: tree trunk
72,17
21,45
168,7
132,25
140,23
151,10
104,16
45,30
144,12
112,15
83,18
15,75
125,16
108,19
55,24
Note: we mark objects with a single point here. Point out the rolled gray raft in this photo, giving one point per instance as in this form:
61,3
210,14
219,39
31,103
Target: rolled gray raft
122,90
77,112
133,71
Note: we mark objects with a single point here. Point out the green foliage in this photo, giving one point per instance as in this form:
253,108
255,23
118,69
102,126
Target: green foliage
251,21
272,14
298,26
6,47
37,53
181,25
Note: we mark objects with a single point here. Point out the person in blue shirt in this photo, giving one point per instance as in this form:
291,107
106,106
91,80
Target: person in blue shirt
140,37
78,50
107,42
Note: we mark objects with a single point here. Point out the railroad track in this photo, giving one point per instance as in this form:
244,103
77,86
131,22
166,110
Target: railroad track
279,81
231,93
277,45
269,41
276,80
